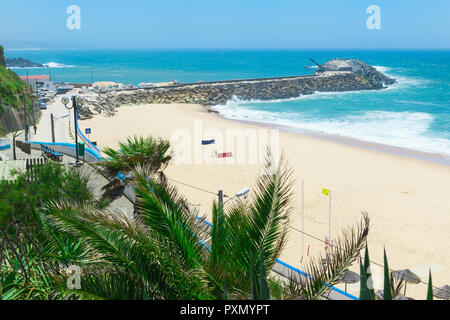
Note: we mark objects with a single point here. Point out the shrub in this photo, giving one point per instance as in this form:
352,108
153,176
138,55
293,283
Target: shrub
18,199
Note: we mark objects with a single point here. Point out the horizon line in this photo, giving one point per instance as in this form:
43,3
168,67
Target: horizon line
223,48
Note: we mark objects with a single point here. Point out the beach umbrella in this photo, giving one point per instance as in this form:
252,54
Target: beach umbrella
349,277
442,292
380,295
407,276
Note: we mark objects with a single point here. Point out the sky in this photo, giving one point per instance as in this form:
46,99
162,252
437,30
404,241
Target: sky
226,24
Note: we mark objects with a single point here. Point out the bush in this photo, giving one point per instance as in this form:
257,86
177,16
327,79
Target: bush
18,199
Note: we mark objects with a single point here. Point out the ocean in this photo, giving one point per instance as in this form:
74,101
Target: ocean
414,113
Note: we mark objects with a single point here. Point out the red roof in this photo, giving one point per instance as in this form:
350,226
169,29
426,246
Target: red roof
36,77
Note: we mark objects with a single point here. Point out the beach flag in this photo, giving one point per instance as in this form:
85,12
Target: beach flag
327,192
329,246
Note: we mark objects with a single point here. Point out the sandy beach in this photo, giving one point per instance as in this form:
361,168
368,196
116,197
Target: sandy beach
407,199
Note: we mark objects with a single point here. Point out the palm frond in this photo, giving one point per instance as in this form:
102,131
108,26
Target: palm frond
149,151
266,224
322,276
167,213
127,244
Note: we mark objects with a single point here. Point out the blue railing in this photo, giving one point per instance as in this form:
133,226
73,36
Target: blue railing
86,140
307,275
70,145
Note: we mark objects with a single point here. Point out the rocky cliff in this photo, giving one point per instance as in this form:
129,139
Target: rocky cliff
364,77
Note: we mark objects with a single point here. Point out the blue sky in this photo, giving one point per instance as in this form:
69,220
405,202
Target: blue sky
228,24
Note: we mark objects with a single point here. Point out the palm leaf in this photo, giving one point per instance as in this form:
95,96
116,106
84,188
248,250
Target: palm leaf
323,276
127,244
165,212
265,226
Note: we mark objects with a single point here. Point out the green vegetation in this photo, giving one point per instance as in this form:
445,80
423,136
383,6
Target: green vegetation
165,250
18,199
2,56
392,286
153,153
11,88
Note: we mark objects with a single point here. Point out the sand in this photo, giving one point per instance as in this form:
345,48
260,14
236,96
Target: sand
407,199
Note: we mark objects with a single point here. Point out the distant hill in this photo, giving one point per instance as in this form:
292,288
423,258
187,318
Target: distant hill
22,63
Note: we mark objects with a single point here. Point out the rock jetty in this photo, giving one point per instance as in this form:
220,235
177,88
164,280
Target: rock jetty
337,75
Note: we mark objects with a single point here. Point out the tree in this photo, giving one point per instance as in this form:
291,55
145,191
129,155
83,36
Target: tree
150,152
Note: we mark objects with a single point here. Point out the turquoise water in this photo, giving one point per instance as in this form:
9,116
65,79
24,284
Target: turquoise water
414,113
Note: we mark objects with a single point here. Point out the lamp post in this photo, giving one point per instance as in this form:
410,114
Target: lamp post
241,193
76,101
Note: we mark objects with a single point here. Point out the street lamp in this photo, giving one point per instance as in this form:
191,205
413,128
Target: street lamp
241,193
76,101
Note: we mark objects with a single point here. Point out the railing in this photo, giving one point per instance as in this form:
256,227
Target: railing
86,140
68,148
32,166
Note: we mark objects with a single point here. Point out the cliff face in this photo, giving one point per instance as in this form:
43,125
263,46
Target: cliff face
13,119
215,93
12,104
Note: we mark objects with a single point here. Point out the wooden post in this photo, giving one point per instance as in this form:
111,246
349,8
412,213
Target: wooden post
25,116
220,195
52,126
303,222
14,146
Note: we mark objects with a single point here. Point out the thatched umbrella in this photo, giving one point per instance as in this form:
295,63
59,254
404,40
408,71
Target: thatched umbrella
380,295
349,277
407,276
442,292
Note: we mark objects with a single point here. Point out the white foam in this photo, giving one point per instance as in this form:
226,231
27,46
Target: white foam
382,69
400,129
47,65
57,65
402,83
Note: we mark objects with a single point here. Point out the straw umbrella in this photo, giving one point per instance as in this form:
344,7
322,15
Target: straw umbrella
407,276
380,295
349,277
442,292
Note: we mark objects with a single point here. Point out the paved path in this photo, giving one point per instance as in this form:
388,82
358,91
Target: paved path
63,120
64,130
6,168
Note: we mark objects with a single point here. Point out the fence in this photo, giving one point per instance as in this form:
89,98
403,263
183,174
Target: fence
32,167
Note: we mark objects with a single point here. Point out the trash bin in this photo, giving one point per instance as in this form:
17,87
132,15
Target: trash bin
81,149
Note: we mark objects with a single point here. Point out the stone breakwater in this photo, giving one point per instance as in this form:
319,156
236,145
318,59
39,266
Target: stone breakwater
216,93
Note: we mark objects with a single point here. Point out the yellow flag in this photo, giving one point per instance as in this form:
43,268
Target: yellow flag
326,191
